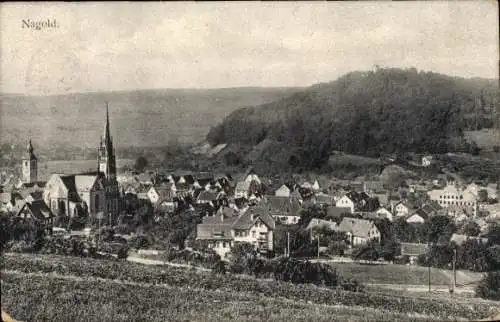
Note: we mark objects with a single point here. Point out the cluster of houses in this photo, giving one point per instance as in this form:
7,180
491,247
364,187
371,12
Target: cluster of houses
244,208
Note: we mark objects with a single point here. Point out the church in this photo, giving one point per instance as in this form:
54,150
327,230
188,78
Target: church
90,193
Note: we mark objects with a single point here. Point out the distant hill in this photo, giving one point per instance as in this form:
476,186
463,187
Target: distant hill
138,118
367,113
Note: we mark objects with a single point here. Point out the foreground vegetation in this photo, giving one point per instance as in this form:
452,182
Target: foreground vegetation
51,298
75,290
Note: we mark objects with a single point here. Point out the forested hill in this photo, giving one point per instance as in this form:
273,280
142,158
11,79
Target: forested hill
367,113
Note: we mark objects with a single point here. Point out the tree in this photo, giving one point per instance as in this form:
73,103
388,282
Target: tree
489,286
482,195
141,163
494,235
243,258
472,229
438,226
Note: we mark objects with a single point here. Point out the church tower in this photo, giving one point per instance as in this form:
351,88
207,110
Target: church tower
30,166
106,163
106,153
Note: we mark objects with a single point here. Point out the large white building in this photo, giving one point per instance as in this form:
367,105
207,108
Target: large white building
455,195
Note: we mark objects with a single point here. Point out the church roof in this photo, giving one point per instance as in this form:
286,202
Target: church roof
85,182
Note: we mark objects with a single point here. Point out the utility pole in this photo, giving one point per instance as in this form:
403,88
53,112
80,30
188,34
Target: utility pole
288,244
454,269
429,275
429,263
318,246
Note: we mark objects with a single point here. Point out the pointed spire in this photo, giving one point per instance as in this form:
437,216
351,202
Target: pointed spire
30,147
107,135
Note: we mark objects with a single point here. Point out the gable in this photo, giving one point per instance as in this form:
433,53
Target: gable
56,187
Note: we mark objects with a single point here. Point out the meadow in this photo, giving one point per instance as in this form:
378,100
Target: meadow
57,288
402,274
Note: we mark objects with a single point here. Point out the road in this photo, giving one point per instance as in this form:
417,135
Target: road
145,261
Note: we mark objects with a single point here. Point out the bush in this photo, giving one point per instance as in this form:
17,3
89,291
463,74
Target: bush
489,286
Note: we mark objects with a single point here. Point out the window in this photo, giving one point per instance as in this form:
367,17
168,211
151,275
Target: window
224,244
253,234
96,202
62,207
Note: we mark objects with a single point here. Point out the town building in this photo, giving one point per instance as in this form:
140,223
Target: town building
39,213
359,231
228,227
453,194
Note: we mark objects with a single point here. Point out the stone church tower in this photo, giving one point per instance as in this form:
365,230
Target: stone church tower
106,162
106,152
30,165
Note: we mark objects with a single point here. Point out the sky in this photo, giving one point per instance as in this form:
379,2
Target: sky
127,46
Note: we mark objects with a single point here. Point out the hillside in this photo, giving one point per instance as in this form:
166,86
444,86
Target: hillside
368,113
138,118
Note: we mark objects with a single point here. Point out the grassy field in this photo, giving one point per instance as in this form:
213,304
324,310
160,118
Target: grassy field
57,288
55,298
401,274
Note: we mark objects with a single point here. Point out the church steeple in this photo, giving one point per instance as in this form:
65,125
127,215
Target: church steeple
107,135
30,166
106,154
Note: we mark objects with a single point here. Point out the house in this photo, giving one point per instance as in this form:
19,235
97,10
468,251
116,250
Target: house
372,187
32,196
475,188
255,226
383,198
162,192
6,204
250,176
202,183
417,217
315,186
208,197
183,190
413,250
427,160
222,231
337,213
382,212
402,209
483,225
144,178
242,189
316,223
460,239
454,195
346,201
283,191
39,212
358,202
306,185
324,200
359,231
284,210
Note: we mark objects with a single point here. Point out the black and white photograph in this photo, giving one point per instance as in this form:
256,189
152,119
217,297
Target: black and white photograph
250,161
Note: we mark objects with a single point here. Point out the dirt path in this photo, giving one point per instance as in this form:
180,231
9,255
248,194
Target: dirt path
423,288
146,261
